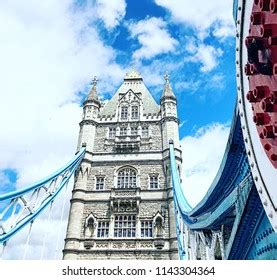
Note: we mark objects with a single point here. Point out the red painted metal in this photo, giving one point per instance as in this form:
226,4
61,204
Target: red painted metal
261,70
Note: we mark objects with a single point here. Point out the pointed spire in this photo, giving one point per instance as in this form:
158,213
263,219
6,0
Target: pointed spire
167,92
93,96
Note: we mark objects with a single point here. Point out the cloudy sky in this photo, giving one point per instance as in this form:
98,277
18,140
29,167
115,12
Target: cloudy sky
51,49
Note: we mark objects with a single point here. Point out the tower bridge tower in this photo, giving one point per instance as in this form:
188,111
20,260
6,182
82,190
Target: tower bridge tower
122,203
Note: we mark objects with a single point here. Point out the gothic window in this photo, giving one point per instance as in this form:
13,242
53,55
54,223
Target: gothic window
127,178
125,226
99,183
153,182
144,131
90,227
103,229
134,130
123,131
159,227
146,229
112,131
135,112
124,113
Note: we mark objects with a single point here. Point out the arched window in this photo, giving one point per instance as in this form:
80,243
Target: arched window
90,227
127,178
159,226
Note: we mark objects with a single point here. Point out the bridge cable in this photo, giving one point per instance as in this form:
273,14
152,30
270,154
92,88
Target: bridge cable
61,220
28,240
47,230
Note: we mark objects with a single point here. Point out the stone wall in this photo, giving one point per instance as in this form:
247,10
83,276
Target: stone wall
109,171
102,143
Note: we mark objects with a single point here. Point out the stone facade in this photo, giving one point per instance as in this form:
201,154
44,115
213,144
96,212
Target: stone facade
122,205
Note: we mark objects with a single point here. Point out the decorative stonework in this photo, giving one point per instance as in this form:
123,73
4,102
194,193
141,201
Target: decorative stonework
133,222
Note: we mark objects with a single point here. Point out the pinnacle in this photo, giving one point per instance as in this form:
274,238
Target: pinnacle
167,92
93,92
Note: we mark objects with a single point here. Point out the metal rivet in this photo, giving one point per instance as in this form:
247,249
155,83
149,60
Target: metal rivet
256,178
245,140
260,190
252,164
270,215
265,202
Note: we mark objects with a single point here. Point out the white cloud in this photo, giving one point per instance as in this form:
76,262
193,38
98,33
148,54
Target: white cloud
49,51
217,81
47,56
206,55
153,37
202,15
4,179
111,12
202,155
188,86
224,31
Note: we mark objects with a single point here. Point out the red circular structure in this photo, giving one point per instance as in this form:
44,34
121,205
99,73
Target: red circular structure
261,70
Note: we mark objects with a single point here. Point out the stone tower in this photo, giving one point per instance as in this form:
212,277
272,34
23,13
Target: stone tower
122,205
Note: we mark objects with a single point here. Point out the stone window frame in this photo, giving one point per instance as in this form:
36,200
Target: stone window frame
97,184
154,175
90,226
135,112
112,132
143,129
125,226
146,228
124,112
158,225
125,129
103,228
126,180
134,128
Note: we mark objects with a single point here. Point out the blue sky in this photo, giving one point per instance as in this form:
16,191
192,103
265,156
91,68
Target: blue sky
50,51
205,96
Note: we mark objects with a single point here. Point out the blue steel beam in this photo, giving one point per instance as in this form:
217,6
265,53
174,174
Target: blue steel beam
11,198
233,169
14,194
218,216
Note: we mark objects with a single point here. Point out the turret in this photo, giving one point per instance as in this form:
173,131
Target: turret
91,107
169,126
169,115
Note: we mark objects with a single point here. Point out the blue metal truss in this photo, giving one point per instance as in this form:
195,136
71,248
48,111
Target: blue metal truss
22,207
231,201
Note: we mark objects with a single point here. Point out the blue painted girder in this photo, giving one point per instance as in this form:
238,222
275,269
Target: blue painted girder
71,167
